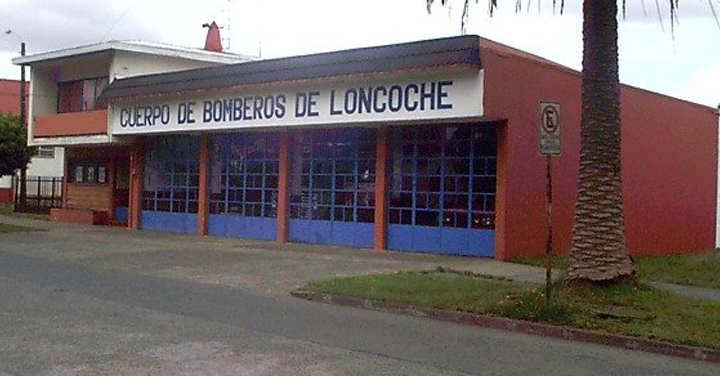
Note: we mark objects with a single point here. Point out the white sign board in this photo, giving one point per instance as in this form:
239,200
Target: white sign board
549,119
380,98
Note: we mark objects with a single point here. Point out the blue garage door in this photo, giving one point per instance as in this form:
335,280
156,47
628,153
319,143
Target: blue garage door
171,184
332,196
442,195
243,185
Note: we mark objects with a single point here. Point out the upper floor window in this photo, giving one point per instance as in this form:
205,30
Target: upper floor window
81,95
46,152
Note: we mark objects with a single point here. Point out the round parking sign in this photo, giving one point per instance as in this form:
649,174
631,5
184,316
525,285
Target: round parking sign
550,119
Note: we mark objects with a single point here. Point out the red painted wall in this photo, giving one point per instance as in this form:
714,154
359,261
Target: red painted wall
6,195
670,173
10,96
669,160
9,103
71,124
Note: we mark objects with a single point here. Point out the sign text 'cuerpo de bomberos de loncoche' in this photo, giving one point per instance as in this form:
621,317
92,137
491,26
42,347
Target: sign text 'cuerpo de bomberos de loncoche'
442,97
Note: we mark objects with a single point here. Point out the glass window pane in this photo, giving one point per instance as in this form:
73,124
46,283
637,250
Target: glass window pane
79,174
427,218
100,85
167,179
252,162
435,164
88,95
90,174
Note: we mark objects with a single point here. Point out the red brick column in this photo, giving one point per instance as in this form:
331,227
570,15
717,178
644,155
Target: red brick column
110,181
501,233
137,165
203,187
283,187
381,188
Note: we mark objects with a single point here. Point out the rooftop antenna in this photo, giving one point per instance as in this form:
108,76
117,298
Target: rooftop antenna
227,10
261,33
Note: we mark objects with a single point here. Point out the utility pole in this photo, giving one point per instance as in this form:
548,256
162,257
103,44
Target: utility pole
23,171
23,120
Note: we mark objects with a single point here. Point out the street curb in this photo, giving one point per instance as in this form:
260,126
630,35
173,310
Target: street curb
528,327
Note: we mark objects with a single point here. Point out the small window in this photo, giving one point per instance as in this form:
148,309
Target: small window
79,176
91,177
89,173
101,172
46,152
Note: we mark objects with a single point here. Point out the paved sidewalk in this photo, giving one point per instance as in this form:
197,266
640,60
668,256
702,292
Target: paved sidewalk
85,301
691,291
262,266
66,319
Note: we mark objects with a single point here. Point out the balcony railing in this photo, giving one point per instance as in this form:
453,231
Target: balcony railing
71,124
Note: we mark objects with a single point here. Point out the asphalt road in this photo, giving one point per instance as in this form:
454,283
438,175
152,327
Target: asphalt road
65,318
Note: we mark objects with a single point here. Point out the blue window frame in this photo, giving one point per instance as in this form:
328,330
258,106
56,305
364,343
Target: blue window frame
171,174
334,176
332,195
244,176
442,188
444,176
171,184
243,185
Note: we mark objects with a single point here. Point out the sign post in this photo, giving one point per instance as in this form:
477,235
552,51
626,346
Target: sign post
549,121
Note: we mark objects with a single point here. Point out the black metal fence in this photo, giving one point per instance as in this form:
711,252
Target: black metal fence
42,193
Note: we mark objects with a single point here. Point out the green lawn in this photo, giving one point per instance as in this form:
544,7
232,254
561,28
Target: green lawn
636,309
6,209
5,228
436,289
702,269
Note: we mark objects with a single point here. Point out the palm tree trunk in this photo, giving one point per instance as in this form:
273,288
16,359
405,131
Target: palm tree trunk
599,251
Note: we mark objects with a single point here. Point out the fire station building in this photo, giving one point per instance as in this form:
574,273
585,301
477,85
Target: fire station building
430,146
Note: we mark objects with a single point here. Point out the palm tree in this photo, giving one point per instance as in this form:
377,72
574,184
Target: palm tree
599,251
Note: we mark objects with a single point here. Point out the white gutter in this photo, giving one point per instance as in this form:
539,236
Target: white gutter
139,47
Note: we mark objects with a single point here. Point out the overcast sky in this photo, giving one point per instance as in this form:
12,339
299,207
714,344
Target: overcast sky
686,66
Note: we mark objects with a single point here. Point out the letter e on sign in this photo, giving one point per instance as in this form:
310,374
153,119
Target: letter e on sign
549,119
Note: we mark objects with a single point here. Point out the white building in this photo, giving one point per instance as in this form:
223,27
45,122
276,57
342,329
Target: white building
65,85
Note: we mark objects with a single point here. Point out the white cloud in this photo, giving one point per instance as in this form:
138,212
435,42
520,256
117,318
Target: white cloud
46,25
649,57
8,70
556,37
704,87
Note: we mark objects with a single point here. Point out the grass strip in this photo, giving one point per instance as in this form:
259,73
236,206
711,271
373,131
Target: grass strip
701,269
6,209
634,309
6,228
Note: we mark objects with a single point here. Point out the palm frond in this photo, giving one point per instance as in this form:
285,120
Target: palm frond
659,14
714,13
493,6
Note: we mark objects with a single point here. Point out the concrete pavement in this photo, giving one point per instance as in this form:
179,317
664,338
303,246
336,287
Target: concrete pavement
261,266
91,301
691,291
